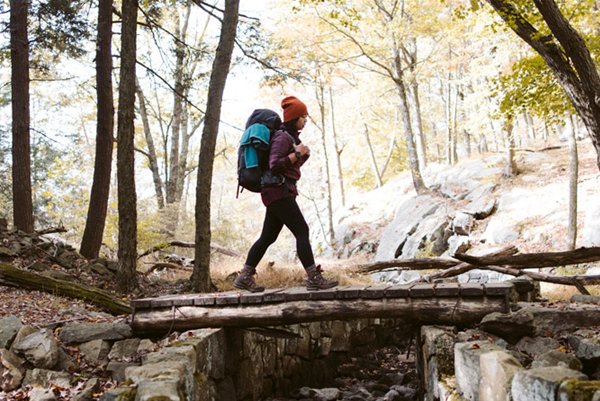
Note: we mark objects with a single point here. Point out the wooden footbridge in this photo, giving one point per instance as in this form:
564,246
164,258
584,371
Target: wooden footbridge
455,304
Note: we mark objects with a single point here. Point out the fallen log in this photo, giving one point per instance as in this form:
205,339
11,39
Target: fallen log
183,244
427,263
535,260
444,310
164,265
14,277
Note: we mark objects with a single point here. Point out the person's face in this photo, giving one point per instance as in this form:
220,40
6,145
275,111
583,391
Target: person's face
301,122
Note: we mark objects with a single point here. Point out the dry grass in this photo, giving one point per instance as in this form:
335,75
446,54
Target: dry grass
557,292
284,275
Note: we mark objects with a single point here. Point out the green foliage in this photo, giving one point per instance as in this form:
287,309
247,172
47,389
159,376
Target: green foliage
532,87
57,28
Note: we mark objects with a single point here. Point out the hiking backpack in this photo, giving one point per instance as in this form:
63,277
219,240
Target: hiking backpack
253,152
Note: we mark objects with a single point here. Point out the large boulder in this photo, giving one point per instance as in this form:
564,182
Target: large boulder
84,332
39,348
497,370
467,366
409,216
9,327
541,384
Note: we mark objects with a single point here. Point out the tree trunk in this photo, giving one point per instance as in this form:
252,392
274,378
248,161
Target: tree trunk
10,275
570,61
410,53
337,150
21,147
413,159
127,199
573,177
152,158
96,217
510,170
200,279
378,182
321,101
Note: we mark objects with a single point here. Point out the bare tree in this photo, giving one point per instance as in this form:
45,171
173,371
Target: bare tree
21,147
573,177
96,217
200,279
127,199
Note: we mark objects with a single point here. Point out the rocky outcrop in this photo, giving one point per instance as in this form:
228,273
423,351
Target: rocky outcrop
526,355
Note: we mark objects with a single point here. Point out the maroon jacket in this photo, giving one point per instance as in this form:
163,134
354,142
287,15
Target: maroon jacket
279,162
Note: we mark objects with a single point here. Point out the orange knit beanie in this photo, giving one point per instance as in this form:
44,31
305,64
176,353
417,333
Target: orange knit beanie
293,108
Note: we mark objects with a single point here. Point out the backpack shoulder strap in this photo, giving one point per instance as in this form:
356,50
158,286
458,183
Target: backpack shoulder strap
294,139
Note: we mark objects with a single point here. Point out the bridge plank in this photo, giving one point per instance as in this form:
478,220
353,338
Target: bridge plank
329,293
274,295
204,299
447,290
494,289
141,303
163,302
375,292
228,298
349,292
297,294
398,291
471,290
421,291
251,298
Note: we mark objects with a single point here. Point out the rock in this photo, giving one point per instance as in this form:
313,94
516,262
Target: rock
41,394
585,299
88,391
9,327
124,349
119,394
117,369
537,346
467,366
438,357
588,348
510,326
45,378
500,231
463,223
428,239
556,358
65,362
166,370
39,348
578,390
24,331
12,370
408,217
497,370
541,384
101,270
164,390
83,332
458,244
95,351
590,232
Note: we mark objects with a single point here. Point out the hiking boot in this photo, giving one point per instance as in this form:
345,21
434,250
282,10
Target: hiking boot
316,281
245,281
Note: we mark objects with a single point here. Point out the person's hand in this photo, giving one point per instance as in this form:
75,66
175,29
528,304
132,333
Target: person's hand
303,149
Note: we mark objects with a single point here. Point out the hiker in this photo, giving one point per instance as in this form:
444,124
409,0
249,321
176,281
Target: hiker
287,154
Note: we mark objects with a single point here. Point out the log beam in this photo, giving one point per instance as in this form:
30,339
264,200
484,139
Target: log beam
442,310
14,277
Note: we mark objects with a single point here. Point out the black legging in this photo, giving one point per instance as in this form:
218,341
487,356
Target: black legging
283,212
